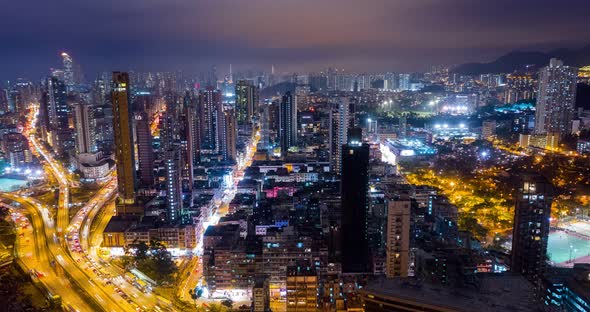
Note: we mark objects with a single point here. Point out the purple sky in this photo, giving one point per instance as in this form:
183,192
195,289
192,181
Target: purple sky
295,35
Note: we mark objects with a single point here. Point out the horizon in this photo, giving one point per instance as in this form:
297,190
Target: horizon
405,36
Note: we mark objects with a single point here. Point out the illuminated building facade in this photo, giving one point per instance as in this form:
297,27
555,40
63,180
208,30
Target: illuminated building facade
556,99
124,151
531,226
288,122
398,237
246,102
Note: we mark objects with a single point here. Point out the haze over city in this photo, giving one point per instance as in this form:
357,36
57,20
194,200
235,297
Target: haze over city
294,156
294,35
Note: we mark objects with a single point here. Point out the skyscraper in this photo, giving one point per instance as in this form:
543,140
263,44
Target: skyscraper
228,136
210,105
172,163
191,135
60,137
145,153
288,122
84,122
68,69
354,202
124,151
398,237
339,122
246,102
556,99
531,226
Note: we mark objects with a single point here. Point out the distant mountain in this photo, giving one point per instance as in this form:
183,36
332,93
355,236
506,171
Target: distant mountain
278,89
519,60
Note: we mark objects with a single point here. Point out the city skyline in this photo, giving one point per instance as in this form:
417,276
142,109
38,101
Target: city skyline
358,36
294,156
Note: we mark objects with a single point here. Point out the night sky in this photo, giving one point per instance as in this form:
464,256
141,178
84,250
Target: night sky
294,35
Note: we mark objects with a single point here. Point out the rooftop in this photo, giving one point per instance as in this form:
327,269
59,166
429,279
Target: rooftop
493,292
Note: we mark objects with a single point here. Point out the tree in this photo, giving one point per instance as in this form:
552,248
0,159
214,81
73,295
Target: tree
155,261
13,297
141,251
228,303
163,265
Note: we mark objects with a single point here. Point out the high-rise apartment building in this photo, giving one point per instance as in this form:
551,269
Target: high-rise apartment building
122,129
556,99
288,122
228,135
173,164
211,110
246,102
519,87
145,152
339,121
84,123
193,130
398,237
531,226
260,295
302,288
354,196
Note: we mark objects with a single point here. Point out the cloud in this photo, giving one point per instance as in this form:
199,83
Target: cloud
297,34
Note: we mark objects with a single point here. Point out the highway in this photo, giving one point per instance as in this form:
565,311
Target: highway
83,243
33,252
55,232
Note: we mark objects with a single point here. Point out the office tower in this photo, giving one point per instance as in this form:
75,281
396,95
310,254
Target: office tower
68,69
556,99
288,122
124,151
145,152
229,133
302,288
58,112
531,226
246,102
519,87
398,237
172,163
354,203
339,122
210,106
84,122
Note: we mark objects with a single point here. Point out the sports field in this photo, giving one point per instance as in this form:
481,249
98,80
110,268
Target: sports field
571,245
